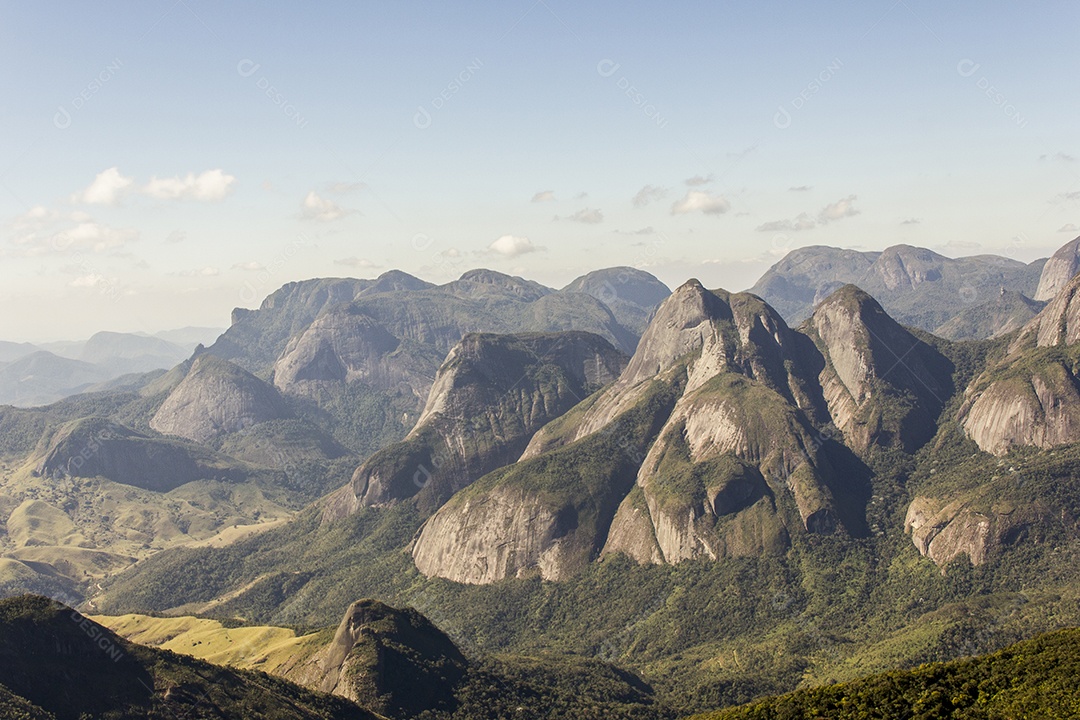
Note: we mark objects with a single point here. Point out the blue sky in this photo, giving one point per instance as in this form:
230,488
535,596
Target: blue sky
163,162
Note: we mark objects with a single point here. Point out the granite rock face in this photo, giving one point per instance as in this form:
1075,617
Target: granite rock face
489,396
715,441
1030,397
215,398
1059,270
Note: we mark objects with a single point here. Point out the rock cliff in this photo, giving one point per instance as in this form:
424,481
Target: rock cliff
215,398
489,396
1030,396
714,441
1059,270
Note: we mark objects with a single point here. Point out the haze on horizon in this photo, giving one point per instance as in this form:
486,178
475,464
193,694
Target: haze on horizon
166,161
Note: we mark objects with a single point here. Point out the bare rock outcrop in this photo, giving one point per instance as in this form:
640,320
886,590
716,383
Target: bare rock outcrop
215,398
395,662
882,385
943,530
1059,270
344,346
1031,396
729,457
489,396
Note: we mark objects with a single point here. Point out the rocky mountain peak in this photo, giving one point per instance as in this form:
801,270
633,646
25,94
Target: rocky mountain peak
393,661
1059,270
395,281
621,284
1059,321
217,397
873,363
481,282
683,323
908,266
340,345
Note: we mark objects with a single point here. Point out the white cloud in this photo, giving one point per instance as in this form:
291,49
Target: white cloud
321,209
209,186
800,188
198,272
42,231
176,236
512,246
90,280
357,262
544,196
344,188
911,221
1069,227
648,230
108,188
842,208
801,222
699,180
252,266
587,216
701,201
648,194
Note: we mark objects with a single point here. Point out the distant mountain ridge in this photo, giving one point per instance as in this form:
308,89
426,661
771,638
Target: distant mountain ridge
917,286
41,374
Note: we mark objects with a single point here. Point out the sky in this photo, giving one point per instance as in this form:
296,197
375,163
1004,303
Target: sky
163,162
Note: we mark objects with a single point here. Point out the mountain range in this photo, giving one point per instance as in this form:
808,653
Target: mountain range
866,462
32,375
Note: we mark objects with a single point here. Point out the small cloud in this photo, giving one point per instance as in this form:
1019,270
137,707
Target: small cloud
320,209
643,231
252,266
745,152
357,262
911,221
587,216
800,188
842,208
344,188
581,195
701,201
1069,228
108,188
176,236
544,196
511,246
1059,157
1066,197
90,280
801,222
648,194
198,272
92,235
209,186
699,180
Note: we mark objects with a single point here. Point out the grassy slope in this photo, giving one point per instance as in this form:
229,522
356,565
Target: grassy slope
69,666
705,634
